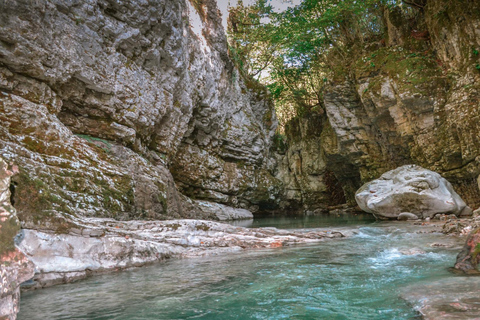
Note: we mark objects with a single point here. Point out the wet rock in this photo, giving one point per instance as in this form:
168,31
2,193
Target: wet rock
452,227
412,189
440,245
412,251
469,257
451,298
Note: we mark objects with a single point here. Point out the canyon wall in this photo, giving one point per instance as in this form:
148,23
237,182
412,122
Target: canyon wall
413,98
15,267
129,110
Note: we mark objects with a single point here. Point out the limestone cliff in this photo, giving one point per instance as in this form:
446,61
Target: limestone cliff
128,110
412,98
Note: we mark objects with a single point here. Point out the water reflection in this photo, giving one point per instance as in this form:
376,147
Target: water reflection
305,221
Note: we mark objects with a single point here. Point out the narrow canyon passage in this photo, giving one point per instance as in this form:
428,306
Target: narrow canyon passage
131,130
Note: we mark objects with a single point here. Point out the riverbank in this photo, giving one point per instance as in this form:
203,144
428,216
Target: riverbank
100,246
106,245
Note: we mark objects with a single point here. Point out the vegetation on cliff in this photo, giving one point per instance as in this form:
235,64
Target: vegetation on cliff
300,51
392,82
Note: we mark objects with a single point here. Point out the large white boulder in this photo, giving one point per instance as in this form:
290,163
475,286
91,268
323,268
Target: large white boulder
409,189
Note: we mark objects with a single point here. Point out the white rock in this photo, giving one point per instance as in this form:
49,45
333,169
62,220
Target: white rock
412,189
223,212
476,213
407,216
61,258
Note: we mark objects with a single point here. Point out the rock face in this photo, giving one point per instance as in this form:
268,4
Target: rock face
410,189
15,268
127,110
410,101
304,169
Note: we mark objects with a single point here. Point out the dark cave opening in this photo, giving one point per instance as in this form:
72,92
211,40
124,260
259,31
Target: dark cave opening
12,187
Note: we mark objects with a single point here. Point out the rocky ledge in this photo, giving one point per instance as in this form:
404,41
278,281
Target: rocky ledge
103,245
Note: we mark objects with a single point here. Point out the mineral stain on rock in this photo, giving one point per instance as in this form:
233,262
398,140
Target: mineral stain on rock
469,258
15,267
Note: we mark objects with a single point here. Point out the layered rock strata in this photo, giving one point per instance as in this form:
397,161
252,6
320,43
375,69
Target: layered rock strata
126,110
100,245
129,111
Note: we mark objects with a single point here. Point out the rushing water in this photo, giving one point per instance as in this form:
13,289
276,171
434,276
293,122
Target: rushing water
354,278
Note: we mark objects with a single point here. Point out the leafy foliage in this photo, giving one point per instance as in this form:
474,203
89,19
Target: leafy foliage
299,51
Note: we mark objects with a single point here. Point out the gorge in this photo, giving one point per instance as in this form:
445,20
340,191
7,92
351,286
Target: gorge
127,126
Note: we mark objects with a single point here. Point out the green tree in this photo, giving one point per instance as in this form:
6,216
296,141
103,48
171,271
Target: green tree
296,53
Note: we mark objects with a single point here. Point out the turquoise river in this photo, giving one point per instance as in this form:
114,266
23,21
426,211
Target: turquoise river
378,273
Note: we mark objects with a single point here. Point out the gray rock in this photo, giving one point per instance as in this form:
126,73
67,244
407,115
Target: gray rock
411,251
62,258
407,216
123,110
409,189
466,212
222,212
476,213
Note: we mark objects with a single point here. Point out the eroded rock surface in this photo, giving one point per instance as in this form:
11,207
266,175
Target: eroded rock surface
15,267
106,244
222,212
469,257
125,110
410,189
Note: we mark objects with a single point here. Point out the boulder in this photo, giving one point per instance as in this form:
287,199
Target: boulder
469,257
412,189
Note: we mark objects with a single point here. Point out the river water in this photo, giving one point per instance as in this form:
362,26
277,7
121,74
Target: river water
361,277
